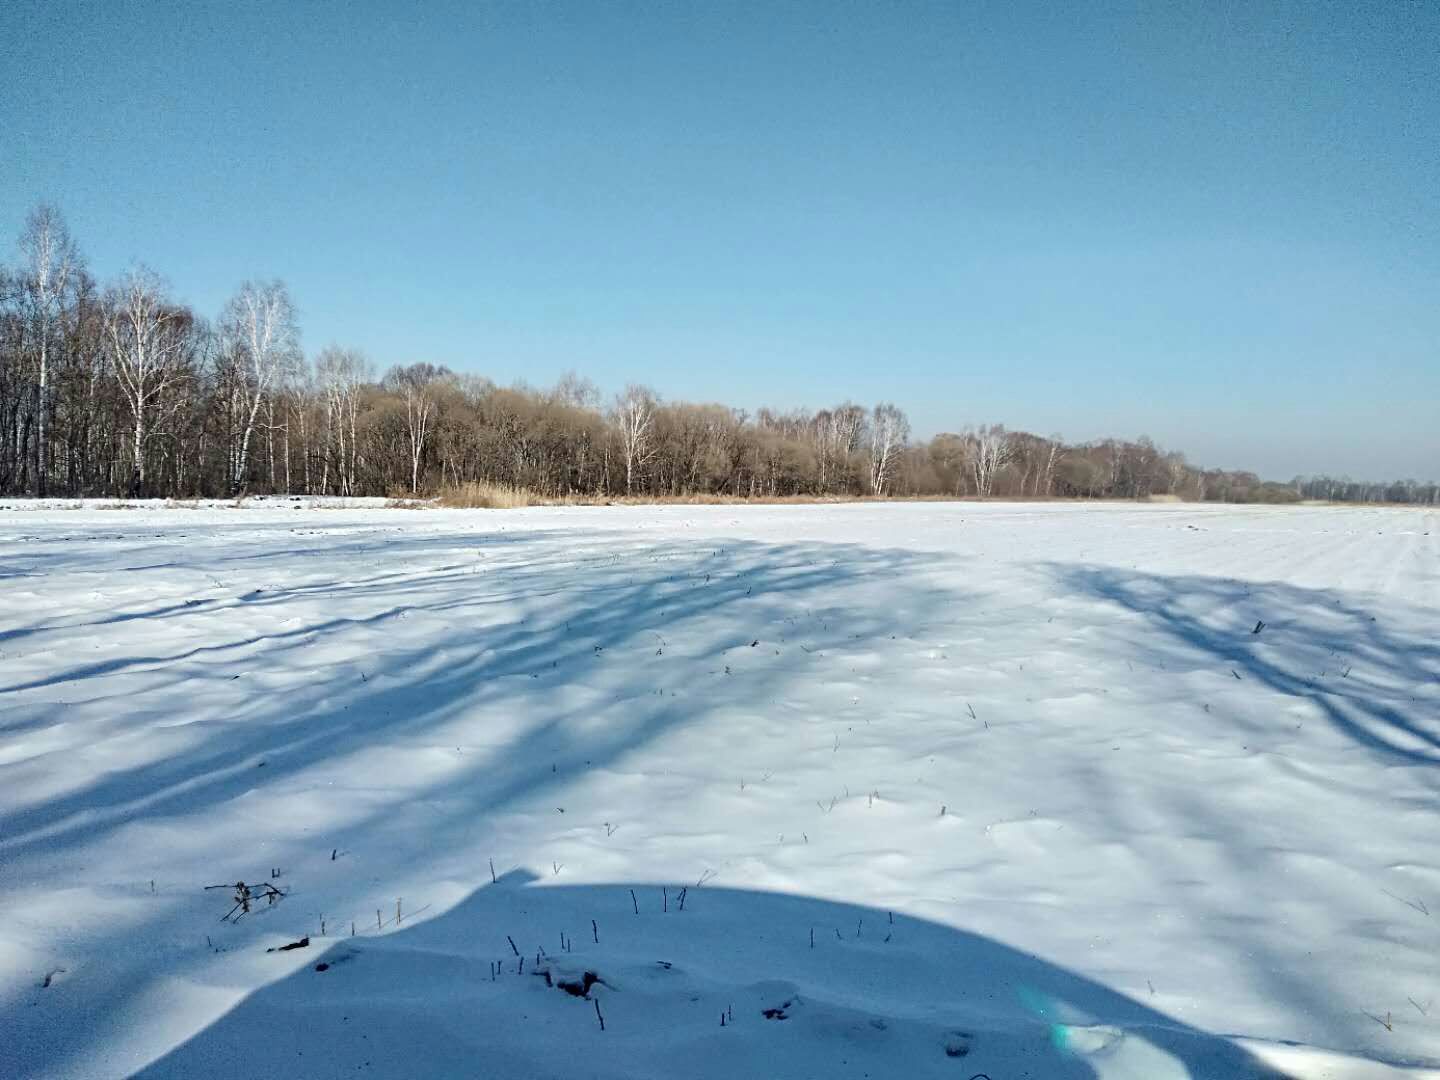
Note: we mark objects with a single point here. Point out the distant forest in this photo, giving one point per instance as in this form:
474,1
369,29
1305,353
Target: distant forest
123,390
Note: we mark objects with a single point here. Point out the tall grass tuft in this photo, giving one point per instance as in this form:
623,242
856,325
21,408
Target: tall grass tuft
487,495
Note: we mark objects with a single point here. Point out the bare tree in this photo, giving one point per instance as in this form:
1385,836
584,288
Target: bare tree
950,458
145,335
575,391
259,325
51,263
1034,458
836,434
341,373
889,431
990,449
418,384
1177,470
634,415
1046,475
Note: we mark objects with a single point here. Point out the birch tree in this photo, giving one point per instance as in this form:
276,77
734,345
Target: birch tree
634,415
837,435
144,332
51,264
342,373
889,431
1047,473
418,383
990,450
260,329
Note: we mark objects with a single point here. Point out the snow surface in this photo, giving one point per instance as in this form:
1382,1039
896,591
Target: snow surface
1047,805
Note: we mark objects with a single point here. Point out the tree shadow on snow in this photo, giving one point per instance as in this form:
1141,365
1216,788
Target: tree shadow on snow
516,980
585,617
1366,677
451,697
243,560
549,669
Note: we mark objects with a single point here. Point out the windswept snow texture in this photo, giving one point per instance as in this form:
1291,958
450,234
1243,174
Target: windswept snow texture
1043,800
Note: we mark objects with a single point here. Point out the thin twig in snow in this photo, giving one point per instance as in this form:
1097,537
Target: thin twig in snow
1385,1023
1417,905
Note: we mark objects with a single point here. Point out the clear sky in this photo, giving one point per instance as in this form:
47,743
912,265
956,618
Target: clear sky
1215,224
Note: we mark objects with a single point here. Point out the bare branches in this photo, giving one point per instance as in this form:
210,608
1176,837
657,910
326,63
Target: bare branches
991,449
634,416
889,431
147,338
246,896
263,340
51,263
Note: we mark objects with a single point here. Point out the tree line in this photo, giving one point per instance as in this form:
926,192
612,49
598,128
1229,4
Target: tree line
123,390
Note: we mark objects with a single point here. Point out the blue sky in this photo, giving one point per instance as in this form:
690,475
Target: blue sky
1215,224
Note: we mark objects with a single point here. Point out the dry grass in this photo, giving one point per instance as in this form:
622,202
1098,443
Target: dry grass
486,495
711,499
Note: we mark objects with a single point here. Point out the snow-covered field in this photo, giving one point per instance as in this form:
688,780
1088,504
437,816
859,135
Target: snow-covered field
949,790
